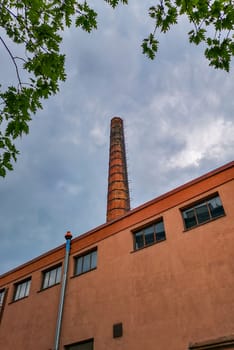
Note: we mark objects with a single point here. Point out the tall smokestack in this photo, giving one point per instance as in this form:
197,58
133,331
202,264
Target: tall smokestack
118,199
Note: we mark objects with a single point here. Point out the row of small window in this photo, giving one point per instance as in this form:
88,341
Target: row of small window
52,276
199,213
195,215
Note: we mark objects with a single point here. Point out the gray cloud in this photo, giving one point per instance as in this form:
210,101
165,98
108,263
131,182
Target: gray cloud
178,115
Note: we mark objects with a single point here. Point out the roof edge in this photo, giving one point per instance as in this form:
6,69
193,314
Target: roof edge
181,187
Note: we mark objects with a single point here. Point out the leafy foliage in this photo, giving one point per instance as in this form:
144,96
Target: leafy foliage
37,26
212,21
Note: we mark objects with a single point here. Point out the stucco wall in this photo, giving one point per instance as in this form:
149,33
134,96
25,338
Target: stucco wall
168,295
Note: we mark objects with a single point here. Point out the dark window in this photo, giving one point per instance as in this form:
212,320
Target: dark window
84,345
149,235
117,330
203,211
22,289
51,276
86,262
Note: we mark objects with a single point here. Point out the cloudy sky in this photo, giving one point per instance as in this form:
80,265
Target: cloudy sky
179,124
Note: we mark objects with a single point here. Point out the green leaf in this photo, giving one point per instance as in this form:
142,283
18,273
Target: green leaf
215,17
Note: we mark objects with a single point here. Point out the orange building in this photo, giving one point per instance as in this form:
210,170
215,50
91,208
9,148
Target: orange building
158,277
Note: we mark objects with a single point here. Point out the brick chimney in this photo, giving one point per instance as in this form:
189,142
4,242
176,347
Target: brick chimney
118,199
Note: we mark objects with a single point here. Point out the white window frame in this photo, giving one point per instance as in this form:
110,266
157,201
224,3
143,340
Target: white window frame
52,276
22,289
86,262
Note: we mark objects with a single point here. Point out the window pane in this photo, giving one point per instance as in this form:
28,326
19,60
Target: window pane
189,218
160,231
22,290
149,235
216,208
52,274
58,274
46,280
28,283
139,240
202,213
17,293
86,263
93,259
79,265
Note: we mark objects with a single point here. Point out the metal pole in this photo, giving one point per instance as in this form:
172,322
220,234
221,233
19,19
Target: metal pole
68,237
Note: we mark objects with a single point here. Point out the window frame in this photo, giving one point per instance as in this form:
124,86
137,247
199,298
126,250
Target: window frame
82,256
26,281
148,226
193,206
3,297
48,271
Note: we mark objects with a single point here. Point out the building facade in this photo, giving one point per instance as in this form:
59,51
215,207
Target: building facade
159,277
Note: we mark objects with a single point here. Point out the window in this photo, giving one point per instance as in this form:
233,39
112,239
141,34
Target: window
86,262
117,330
51,276
149,235
22,289
202,212
84,345
2,301
2,295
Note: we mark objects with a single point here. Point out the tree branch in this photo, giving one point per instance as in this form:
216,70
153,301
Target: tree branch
13,60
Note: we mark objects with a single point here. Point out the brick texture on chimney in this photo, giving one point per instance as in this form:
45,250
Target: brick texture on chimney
118,199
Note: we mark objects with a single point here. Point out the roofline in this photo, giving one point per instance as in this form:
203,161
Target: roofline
131,212
184,186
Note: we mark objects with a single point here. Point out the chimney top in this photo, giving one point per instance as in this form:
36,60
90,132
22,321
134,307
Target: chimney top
115,119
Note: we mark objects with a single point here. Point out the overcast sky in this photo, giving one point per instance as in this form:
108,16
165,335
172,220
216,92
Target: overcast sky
179,124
